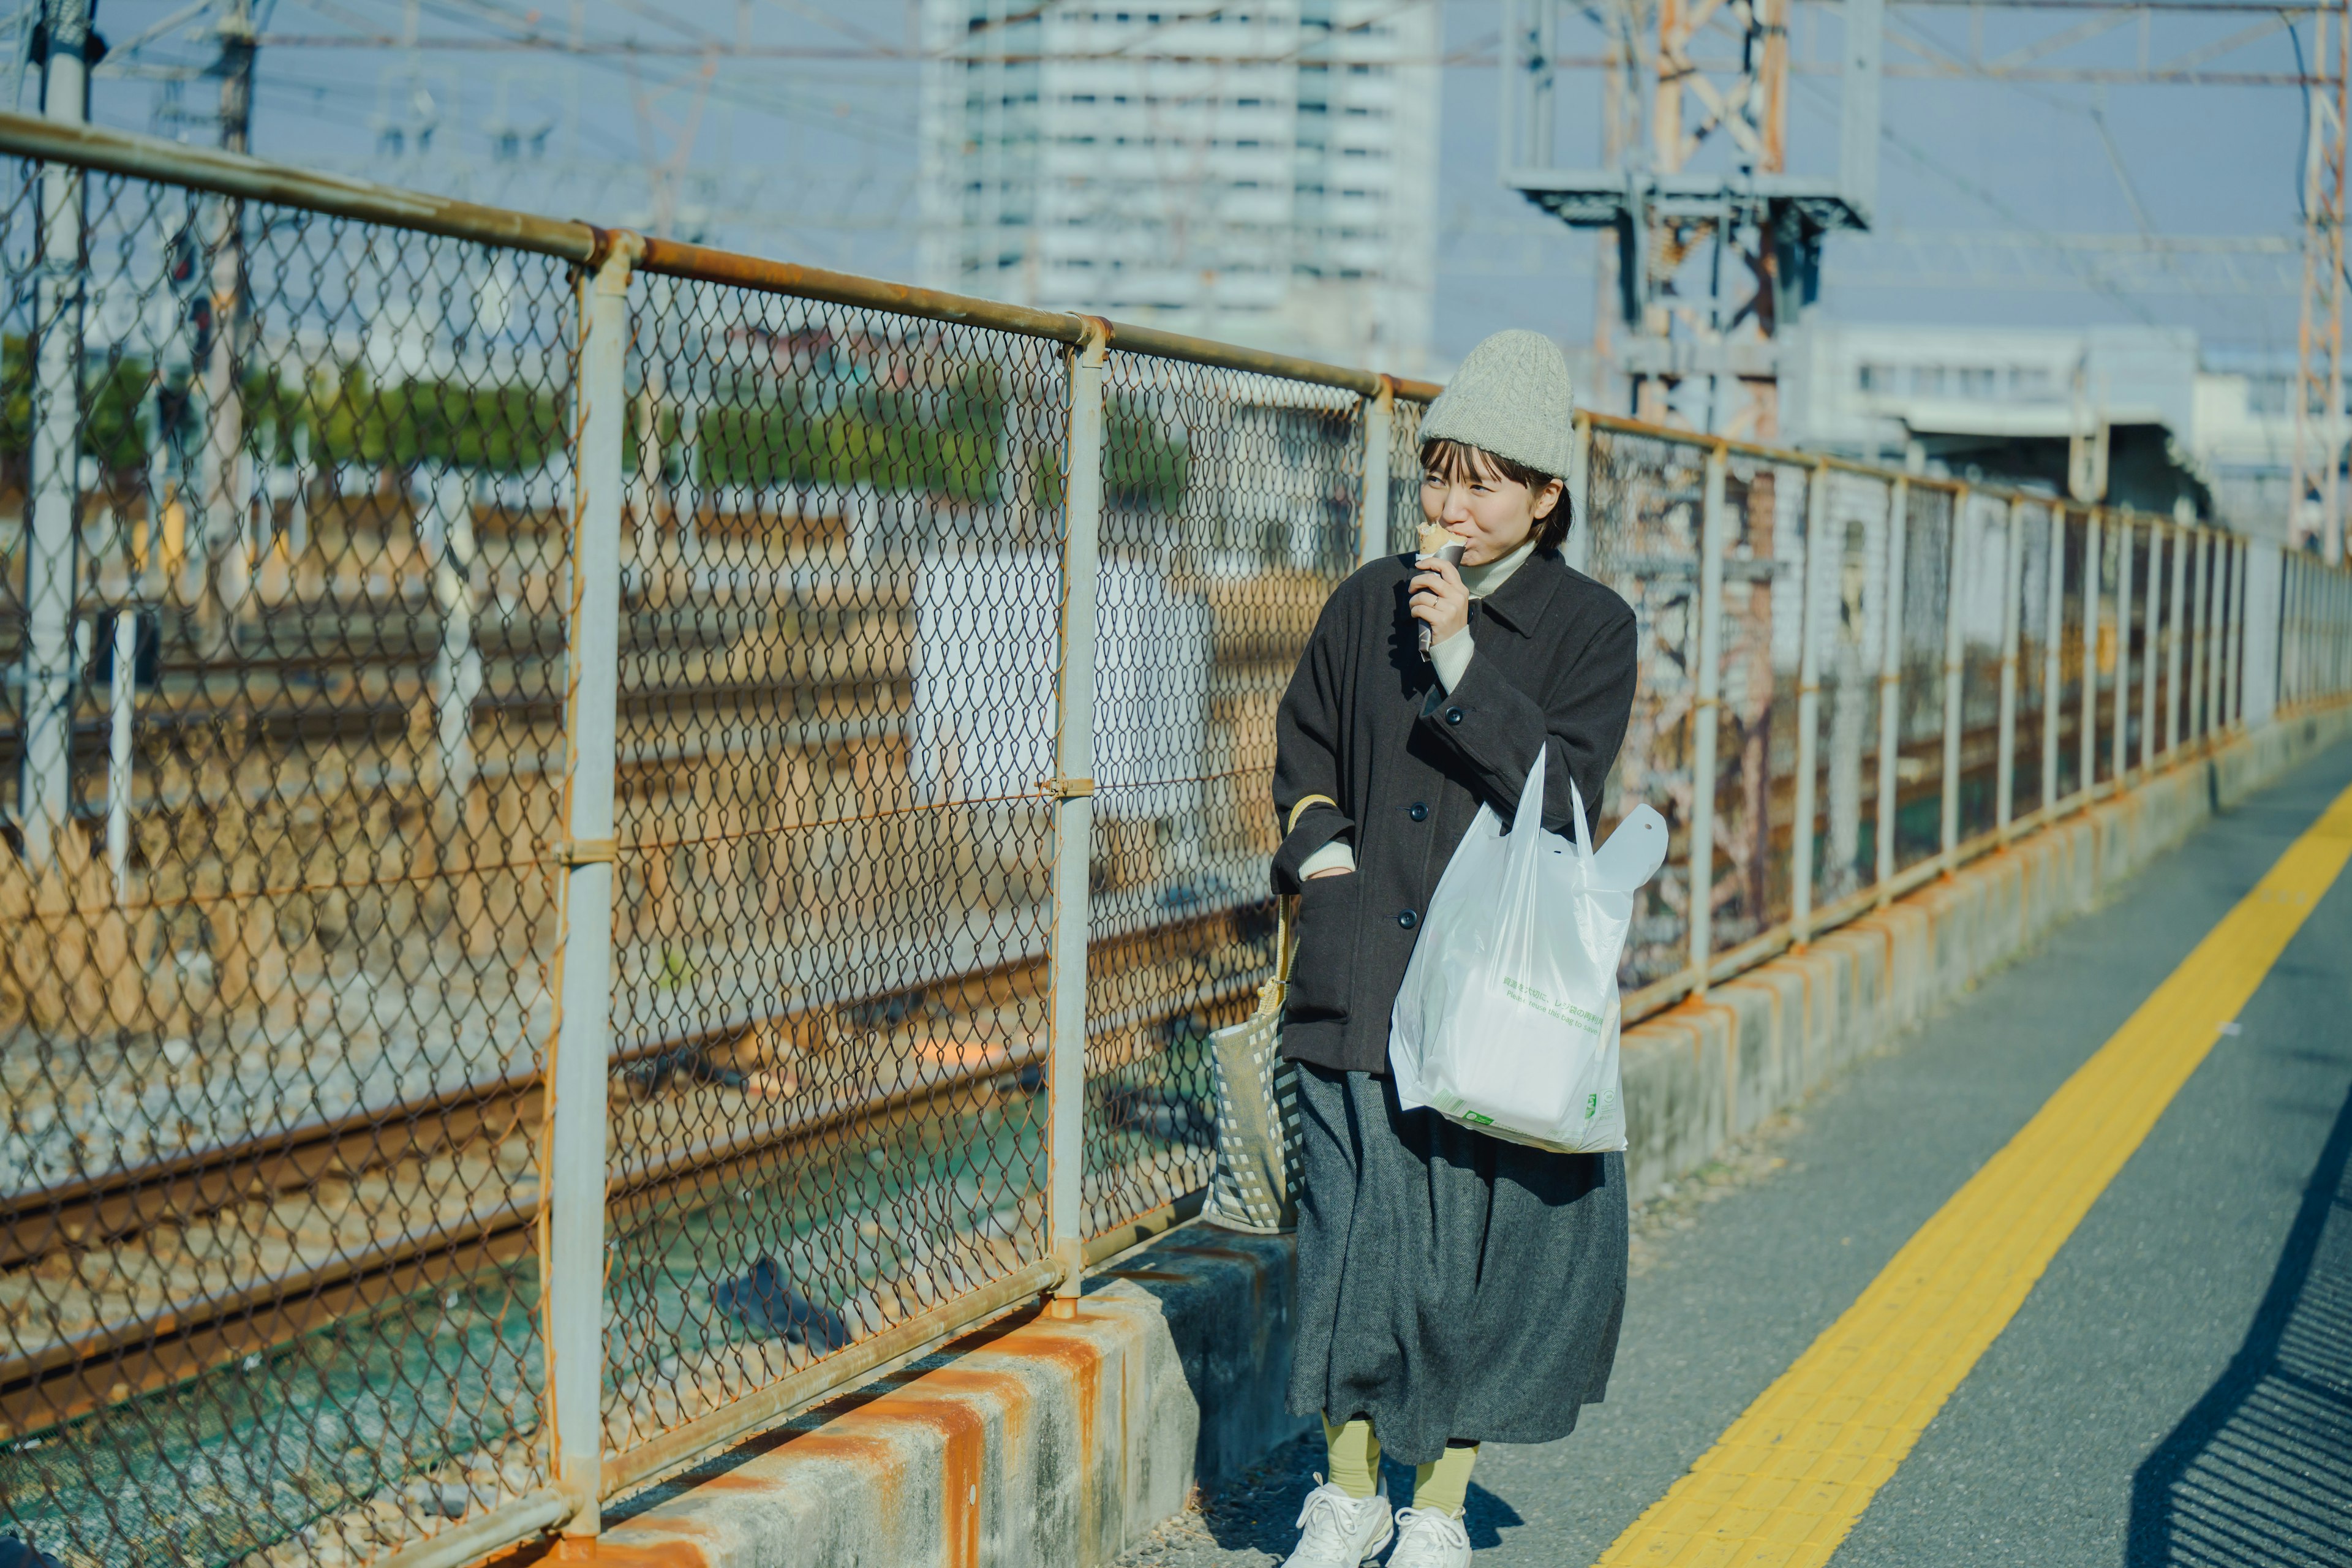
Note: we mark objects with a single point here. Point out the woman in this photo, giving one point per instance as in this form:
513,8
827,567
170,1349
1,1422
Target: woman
1452,1288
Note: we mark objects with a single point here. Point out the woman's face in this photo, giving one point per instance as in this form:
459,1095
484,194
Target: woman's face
1491,514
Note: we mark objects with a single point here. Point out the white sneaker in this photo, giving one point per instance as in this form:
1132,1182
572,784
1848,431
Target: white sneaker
1430,1538
1336,1530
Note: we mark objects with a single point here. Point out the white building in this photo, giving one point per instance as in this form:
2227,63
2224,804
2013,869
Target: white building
2003,402
1264,172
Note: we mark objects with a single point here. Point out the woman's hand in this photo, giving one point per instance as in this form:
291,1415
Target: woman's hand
1439,598
1332,871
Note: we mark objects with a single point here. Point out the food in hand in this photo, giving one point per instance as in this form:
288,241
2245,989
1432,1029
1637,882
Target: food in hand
1447,545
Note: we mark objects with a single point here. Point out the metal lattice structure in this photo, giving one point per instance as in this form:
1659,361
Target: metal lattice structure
605,837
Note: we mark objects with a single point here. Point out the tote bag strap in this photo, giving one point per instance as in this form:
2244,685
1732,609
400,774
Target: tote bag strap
1300,809
1285,905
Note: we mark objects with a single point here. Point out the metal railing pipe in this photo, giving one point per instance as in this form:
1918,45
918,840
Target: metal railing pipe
2209,635
1705,717
2200,606
2312,631
239,176
2087,740
491,1531
2175,635
1890,682
2226,682
2247,649
682,259
2012,574
2294,680
1947,832
2150,619
2296,625
2053,674
2326,633
1072,789
1372,514
572,1198
1812,560
2119,747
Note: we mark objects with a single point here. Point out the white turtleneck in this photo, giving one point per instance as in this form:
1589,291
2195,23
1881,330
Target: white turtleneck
1452,658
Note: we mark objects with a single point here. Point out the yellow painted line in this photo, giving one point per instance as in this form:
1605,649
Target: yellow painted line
1788,1479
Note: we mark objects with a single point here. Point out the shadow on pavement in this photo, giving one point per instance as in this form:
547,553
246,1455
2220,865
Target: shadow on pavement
2259,1470
1486,1516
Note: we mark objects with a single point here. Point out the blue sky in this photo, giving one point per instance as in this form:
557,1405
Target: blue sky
805,145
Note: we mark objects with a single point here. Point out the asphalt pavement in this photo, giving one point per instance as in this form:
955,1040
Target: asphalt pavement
2176,1389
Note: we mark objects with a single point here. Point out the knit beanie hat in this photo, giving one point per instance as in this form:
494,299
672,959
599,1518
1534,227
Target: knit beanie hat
1511,397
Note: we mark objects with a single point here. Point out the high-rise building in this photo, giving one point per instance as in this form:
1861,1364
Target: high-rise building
1263,172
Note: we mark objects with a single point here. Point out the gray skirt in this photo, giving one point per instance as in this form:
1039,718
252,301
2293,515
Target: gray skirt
1450,1284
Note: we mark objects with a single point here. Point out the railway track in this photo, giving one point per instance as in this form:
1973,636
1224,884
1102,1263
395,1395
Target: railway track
230,1252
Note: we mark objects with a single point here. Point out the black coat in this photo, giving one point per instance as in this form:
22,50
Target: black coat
1367,721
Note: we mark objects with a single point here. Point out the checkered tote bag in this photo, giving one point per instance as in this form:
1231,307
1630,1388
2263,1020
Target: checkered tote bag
1256,1187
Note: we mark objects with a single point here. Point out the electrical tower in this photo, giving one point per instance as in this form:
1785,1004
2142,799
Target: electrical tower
2320,425
1718,244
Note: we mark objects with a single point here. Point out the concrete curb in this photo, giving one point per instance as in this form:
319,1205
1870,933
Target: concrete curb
1047,1441
1035,1440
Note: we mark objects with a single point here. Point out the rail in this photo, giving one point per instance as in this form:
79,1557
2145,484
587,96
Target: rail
820,730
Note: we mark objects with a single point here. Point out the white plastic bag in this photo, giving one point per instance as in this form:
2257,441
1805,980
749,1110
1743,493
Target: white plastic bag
1506,1021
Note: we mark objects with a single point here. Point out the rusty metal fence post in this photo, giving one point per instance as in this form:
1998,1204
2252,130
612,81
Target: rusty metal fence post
2200,610
2245,550
1890,684
52,521
2053,672
2150,616
1948,832
1706,717
1578,550
2225,659
2119,749
1072,789
2087,741
2005,767
1373,514
573,1200
2174,650
2209,686
1809,696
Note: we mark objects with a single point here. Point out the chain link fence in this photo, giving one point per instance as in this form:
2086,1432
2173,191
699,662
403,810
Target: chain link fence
282,618
358,549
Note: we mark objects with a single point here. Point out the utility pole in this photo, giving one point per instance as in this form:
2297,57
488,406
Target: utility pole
53,512
226,495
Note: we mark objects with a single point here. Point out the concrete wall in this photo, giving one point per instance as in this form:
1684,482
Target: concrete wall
1043,1441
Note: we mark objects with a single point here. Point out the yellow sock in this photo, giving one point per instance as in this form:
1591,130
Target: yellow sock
1445,1485
1355,1457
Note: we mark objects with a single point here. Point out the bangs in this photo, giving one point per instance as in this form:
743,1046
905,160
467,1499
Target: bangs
1455,460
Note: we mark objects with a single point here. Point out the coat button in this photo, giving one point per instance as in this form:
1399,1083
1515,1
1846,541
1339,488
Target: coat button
1418,810
1407,919
1454,715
